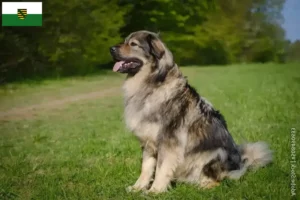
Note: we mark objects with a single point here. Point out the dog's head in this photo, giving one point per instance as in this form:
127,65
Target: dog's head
141,49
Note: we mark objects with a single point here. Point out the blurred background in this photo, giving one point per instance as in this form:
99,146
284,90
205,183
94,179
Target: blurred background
76,34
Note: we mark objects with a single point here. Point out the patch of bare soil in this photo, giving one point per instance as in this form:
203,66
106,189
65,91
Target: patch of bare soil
31,111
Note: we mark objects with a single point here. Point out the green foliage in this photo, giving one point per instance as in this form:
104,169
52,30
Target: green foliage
87,29
76,35
293,54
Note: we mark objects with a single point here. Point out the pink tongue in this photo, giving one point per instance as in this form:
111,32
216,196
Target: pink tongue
117,66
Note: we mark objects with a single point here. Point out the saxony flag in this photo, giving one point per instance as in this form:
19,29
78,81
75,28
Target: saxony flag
22,14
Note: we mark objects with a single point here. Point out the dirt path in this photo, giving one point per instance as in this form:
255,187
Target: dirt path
31,111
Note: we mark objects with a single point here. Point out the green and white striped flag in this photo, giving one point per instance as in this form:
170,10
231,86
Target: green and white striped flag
22,14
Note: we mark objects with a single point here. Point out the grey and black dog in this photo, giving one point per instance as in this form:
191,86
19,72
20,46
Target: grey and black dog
183,137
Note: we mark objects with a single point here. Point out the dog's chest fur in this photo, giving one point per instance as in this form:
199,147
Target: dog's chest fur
143,104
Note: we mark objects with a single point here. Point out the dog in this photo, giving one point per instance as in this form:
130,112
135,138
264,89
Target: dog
182,136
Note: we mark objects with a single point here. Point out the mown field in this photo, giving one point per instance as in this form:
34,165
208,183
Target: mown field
66,139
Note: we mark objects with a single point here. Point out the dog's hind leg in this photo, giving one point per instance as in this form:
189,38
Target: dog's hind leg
212,173
148,167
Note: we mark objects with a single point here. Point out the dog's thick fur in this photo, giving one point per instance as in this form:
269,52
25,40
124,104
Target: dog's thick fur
183,137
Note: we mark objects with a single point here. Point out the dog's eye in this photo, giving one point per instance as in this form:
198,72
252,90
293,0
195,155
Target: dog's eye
133,44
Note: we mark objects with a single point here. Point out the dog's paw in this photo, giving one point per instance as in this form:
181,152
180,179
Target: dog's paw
134,189
153,190
131,189
209,184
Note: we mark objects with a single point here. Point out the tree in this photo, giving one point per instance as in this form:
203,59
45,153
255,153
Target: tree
76,35
74,38
293,52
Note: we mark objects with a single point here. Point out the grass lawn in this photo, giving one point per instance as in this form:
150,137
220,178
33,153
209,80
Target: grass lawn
81,149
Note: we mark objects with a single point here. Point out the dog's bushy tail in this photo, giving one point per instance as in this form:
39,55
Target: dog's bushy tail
254,156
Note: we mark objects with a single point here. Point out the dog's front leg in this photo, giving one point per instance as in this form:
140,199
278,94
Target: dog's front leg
168,160
148,167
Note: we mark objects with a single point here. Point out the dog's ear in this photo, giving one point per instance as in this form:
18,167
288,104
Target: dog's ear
156,46
157,50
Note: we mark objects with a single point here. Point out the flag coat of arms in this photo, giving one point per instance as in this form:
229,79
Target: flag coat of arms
22,14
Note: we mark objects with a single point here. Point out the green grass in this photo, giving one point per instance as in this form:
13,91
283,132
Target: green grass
83,151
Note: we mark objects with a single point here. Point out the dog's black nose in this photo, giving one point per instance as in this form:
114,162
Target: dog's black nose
113,49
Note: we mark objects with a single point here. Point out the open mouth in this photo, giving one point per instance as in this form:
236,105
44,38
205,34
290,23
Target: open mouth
127,65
